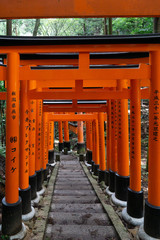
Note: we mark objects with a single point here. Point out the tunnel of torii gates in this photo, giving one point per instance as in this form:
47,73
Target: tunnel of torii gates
110,69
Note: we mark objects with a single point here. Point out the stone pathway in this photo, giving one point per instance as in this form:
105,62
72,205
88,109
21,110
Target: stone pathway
76,212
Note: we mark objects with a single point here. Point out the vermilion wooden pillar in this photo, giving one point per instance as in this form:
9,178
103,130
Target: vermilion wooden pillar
11,204
102,162
51,142
24,188
152,205
113,126
39,126
80,144
96,147
61,145
32,145
134,211
66,136
108,130
122,175
45,144
89,141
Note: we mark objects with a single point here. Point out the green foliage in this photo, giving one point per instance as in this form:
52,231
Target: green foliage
78,26
132,26
4,237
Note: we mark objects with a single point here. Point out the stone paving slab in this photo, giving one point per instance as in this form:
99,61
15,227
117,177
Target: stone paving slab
74,192
77,207
75,199
73,186
99,219
79,232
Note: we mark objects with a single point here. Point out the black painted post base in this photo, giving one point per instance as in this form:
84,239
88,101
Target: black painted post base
81,148
89,156
11,217
152,220
51,156
39,180
60,147
92,166
135,203
81,157
67,145
25,195
121,187
33,184
111,181
101,175
106,178
95,169
45,174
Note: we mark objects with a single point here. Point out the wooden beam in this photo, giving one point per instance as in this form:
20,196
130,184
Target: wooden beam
78,8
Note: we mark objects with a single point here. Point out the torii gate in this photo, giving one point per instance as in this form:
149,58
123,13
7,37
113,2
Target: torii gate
106,77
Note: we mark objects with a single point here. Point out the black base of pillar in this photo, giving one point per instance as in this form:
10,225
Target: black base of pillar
67,145
135,203
81,148
92,166
106,178
121,187
81,157
45,173
33,184
152,220
25,195
60,147
51,156
111,181
101,175
89,156
95,169
11,217
39,180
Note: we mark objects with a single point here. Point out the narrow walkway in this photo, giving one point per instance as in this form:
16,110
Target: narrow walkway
76,212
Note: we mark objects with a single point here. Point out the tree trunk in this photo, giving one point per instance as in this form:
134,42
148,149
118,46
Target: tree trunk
9,27
105,29
110,26
156,25
37,24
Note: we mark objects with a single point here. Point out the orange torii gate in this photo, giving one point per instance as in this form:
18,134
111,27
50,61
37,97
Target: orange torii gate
143,72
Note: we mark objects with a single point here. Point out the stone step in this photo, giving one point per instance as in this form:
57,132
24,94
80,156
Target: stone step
99,219
79,232
73,187
77,207
74,193
72,181
75,199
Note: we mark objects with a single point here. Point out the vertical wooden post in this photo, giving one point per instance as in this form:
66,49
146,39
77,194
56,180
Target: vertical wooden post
102,162
24,188
38,164
51,142
60,136
108,144
134,211
152,206
113,125
122,175
32,144
90,144
11,204
66,136
80,144
96,147
45,144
